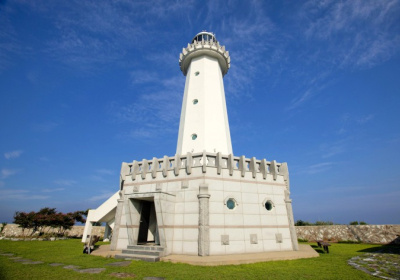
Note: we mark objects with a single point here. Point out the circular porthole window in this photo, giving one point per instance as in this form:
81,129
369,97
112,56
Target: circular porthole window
269,205
194,136
231,204
197,73
195,101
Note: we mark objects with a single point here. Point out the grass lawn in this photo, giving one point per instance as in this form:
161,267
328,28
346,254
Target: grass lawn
69,252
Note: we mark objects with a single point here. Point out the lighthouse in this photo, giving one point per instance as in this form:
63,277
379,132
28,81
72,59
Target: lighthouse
204,200
204,122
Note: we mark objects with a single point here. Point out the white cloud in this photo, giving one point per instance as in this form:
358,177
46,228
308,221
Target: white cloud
96,178
20,195
143,77
332,37
341,131
103,196
105,171
52,190
245,40
9,44
318,168
299,100
349,120
360,32
8,172
65,182
45,126
156,110
365,119
90,34
13,154
330,150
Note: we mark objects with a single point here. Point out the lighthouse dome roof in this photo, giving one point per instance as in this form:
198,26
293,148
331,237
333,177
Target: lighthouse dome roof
204,35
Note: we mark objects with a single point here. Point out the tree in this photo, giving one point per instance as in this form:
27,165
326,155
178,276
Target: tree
24,220
354,223
48,218
78,216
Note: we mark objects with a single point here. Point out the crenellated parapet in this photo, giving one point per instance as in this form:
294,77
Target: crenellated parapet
210,48
203,160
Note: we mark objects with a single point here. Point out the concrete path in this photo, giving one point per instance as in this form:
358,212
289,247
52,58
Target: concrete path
104,251
305,251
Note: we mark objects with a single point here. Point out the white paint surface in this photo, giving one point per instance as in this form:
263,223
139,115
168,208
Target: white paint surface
208,118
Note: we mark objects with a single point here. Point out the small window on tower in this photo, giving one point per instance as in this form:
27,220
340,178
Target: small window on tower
269,205
194,136
195,101
197,73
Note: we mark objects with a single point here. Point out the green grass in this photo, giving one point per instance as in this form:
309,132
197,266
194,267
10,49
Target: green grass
69,252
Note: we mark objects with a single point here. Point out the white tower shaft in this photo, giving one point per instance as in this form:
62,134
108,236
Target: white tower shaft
204,111
204,122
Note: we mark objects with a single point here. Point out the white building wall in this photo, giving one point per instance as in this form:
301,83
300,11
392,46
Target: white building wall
177,205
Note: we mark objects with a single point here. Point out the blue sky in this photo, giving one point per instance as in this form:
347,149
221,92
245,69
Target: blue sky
86,85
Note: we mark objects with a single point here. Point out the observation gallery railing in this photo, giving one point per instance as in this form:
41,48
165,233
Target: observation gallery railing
204,160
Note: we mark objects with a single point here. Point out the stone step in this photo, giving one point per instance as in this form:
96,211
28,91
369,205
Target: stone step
145,258
146,247
141,252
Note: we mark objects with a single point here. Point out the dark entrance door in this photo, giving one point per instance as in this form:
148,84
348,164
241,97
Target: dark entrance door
144,221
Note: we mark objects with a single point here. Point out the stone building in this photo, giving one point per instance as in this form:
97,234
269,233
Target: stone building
204,200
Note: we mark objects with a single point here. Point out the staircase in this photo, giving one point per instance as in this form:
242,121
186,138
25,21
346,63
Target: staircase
148,253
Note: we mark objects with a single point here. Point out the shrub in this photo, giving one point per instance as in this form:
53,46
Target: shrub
355,223
302,223
323,223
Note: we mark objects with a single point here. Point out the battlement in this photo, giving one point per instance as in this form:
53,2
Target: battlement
204,160
210,48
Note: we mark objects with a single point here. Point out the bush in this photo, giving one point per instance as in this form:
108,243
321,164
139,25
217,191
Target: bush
302,223
323,223
355,223
302,240
317,223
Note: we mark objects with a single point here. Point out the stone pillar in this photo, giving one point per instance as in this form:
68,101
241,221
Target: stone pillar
204,228
117,222
289,209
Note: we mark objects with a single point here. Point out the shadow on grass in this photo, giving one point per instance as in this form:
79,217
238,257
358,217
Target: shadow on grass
317,249
384,249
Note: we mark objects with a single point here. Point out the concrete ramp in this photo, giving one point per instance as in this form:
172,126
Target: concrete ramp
104,213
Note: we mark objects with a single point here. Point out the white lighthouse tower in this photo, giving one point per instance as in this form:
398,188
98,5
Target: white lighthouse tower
204,120
204,200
